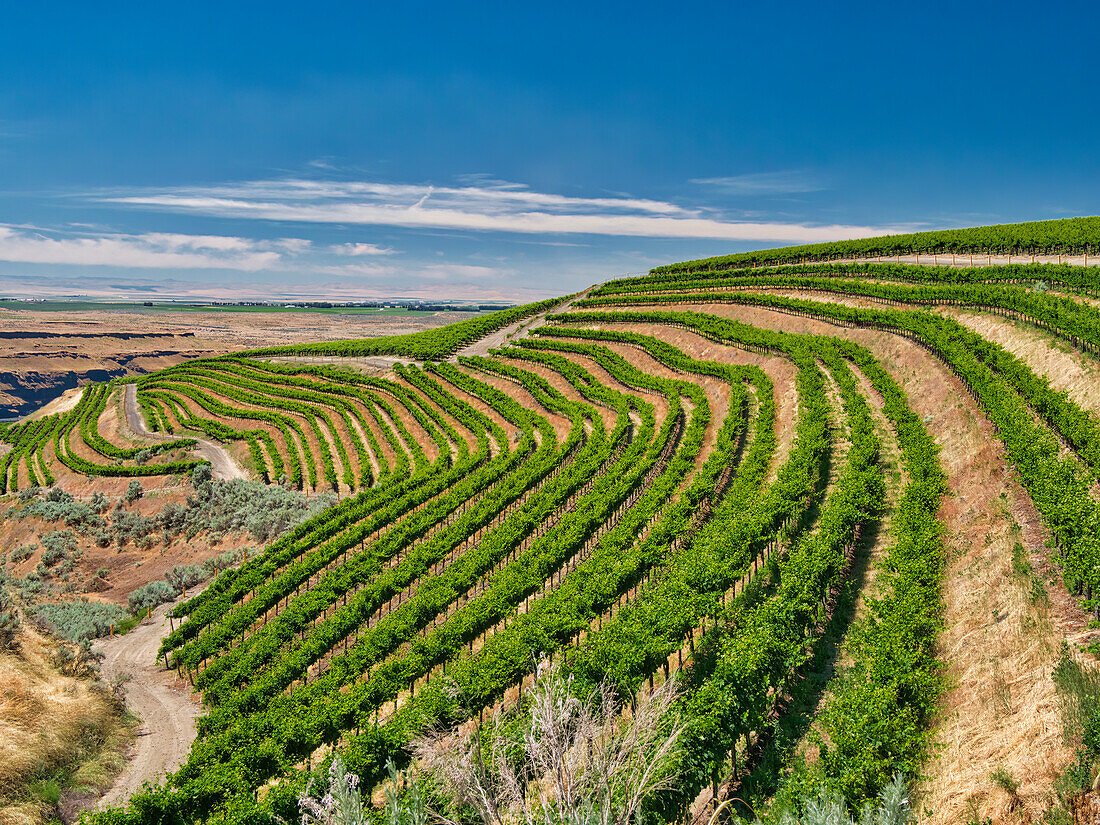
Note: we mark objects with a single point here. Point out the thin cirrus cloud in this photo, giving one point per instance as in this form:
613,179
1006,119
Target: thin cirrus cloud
489,207
428,272
789,182
360,249
153,250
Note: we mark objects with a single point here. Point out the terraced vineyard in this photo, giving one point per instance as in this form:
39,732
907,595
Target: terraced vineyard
732,478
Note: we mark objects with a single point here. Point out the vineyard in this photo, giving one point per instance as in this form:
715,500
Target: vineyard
741,479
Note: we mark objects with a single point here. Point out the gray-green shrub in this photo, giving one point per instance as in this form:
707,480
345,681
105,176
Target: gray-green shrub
151,595
79,620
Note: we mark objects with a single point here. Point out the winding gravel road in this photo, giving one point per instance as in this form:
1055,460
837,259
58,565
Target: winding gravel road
161,700
222,464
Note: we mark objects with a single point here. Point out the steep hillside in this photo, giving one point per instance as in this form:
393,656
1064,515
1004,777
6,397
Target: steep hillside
850,508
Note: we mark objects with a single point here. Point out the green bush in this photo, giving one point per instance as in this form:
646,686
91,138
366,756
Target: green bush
22,553
56,545
829,808
152,594
134,491
79,620
9,619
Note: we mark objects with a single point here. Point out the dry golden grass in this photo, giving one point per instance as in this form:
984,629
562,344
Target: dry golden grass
1003,710
52,727
1067,369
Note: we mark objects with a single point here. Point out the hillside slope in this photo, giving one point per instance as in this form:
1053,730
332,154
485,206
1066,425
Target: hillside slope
850,508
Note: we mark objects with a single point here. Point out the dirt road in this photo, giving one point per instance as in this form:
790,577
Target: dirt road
222,464
162,702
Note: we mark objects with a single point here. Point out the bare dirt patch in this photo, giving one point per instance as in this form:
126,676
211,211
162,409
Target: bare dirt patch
62,404
555,380
780,370
717,392
503,336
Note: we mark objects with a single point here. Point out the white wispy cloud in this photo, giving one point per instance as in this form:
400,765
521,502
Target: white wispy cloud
787,182
154,250
294,246
453,273
489,206
357,270
360,249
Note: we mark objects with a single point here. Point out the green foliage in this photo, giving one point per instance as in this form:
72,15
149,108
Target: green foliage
151,595
480,534
1067,236
1003,387
434,344
56,545
219,507
829,808
342,804
1079,691
9,618
134,491
22,553
79,620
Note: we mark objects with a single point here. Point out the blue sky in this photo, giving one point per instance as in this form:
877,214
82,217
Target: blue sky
510,150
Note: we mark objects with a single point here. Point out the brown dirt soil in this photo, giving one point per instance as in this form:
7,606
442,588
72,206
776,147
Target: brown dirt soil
717,392
560,423
1000,639
1002,709
467,436
229,467
416,432
387,453
132,427
660,405
63,403
896,480
293,448
515,331
392,427
478,404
